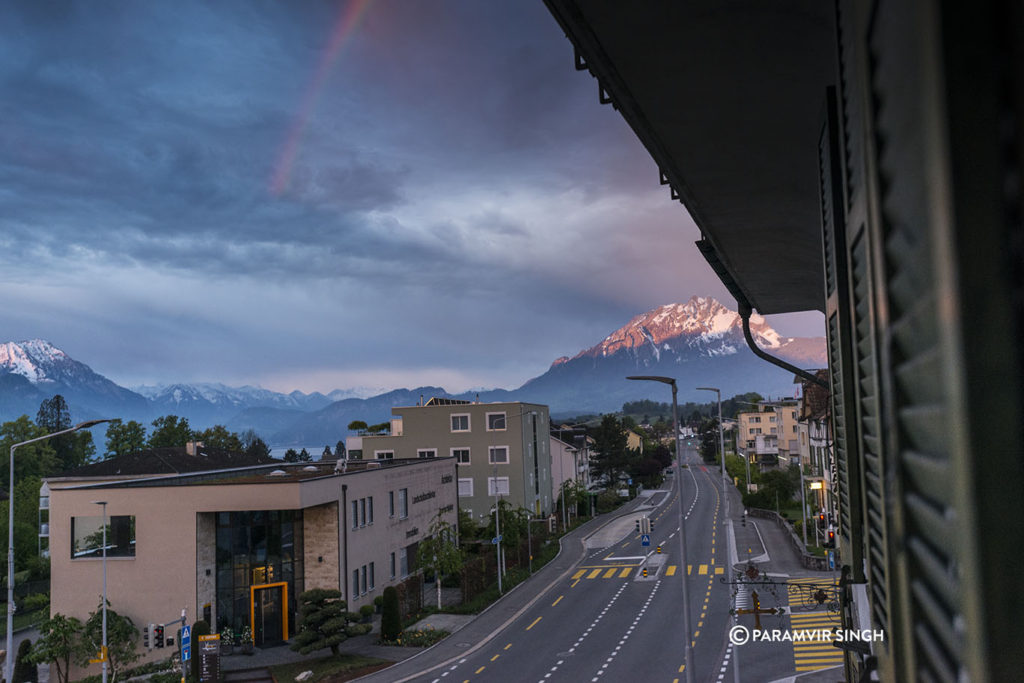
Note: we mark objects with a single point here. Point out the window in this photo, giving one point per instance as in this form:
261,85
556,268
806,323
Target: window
87,536
497,455
355,582
794,429
355,514
369,510
403,503
495,422
773,430
461,455
372,582
362,576
756,418
392,565
756,430
426,453
465,487
391,503
403,562
502,486
384,455
460,423
362,512
771,418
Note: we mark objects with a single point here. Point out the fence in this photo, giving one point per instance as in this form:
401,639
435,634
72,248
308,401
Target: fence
806,559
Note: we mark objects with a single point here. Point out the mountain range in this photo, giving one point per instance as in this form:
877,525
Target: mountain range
700,343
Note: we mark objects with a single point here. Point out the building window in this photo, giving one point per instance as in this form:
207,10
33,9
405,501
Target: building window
495,422
426,453
355,582
391,503
771,418
369,510
362,571
502,486
384,455
403,503
355,514
362,512
756,430
403,562
756,418
794,429
497,455
465,487
372,581
461,455
460,423
773,430
87,536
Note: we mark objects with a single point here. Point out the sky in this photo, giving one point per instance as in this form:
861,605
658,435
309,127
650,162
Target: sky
324,195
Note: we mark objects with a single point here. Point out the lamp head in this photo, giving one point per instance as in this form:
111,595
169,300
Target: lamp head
654,378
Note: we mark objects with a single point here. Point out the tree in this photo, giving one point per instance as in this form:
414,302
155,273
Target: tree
70,450
24,669
125,438
339,450
58,644
709,440
322,621
304,456
440,552
199,628
327,454
291,455
54,414
121,637
390,617
610,455
170,431
357,426
218,437
382,428
32,460
257,448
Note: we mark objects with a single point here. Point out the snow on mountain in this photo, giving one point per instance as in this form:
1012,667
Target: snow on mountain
36,360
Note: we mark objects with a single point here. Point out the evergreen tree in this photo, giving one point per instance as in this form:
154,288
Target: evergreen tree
304,456
70,450
390,616
327,454
610,455
170,431
24,670
291,455
323,621
124,438
258,448
31,460
339,450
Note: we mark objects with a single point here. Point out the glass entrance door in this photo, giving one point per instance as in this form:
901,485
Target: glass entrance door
270,614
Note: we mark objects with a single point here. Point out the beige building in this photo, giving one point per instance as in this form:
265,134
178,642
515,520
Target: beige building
237,546
770,435
502,449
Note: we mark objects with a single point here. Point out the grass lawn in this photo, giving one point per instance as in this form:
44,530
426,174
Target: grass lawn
331,669
22,621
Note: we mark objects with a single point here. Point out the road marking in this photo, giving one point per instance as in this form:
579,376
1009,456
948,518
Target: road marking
719,570
610,574
495,657
593,574
671,570
507,646
626,558
534,623
703,570
558,600
480,669
579,574
625,572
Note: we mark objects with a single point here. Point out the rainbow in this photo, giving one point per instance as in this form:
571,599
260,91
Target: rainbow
349,17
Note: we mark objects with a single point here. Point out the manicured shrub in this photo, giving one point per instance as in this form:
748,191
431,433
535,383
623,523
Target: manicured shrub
390,620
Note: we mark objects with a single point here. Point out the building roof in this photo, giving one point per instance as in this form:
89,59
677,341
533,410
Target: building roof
815,405
165,461
734,132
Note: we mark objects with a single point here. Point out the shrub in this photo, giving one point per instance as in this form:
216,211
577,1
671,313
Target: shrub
200,628
366,611
391,620
24,670
35,601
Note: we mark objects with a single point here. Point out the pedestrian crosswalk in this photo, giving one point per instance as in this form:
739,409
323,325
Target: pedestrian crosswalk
814,650
626,571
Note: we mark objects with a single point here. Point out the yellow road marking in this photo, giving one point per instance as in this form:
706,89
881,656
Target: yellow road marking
719,570
480,669
671,570
579,573
625,572
703,570
574,583
611,573
495,657
508,646
558,600
593,574
534,623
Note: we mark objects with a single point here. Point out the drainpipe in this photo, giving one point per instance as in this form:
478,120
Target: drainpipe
343,550
745,311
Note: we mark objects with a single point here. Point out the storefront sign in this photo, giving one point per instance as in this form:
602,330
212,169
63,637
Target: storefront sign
424,496
209,658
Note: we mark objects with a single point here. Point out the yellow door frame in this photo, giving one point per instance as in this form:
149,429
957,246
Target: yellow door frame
283,585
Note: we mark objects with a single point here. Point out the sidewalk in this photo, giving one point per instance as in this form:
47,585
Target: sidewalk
469,632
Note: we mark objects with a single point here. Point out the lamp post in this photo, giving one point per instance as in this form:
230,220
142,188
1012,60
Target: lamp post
721,434
103,651
688,644
9,662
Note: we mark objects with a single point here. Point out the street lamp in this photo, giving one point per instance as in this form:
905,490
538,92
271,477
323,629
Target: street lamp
721,434
103,650
687,645
9,663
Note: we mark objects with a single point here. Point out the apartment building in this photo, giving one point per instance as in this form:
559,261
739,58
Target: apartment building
770,435
501,449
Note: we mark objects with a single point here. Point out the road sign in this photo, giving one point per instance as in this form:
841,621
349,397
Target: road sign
186,653
831,559
645,540
186,635
496,540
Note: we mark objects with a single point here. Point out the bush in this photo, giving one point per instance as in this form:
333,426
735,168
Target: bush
200,628
391,620
353,630
34,602
366,611
25,671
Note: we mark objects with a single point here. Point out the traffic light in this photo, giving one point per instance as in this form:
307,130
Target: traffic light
830,542
821,520
146,631
650,525
638,526
158,636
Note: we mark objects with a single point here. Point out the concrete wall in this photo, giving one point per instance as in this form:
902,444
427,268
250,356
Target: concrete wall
320,543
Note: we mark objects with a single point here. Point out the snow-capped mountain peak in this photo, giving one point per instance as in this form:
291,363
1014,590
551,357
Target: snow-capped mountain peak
37,360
